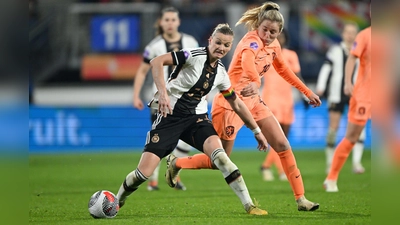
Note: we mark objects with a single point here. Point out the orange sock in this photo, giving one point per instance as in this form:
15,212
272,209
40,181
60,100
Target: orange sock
271,159
153,183
292,172
198,161
342,151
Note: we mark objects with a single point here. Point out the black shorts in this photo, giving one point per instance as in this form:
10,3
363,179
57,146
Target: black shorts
338,107
166,132
153,115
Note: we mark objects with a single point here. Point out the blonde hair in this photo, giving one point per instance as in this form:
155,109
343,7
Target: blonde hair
252,18
223,28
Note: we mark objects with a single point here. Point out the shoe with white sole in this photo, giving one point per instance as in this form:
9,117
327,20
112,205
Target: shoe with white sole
331,186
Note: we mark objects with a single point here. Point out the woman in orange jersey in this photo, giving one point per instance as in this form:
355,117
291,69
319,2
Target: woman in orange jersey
360,104
280,104
257,51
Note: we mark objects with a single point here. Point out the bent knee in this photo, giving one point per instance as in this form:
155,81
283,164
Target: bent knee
281,146
220,157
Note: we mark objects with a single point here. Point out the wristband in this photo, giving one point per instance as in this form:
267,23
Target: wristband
256,130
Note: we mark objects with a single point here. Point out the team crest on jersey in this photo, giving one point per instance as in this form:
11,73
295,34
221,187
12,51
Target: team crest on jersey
254,45
229,130
155,138
206,84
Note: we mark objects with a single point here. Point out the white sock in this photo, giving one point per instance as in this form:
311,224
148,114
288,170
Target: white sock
329,152
182,149
131,183
358,149
154,176
330,148
232,176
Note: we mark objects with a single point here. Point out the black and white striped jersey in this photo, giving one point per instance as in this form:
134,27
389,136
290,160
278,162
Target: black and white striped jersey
159,46
332,72
192,79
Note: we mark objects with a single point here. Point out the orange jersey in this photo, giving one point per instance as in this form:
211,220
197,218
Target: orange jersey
362,50
250,62
277,92
360,102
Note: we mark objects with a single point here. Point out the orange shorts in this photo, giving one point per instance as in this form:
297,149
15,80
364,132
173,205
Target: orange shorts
227,123
284,114
359,112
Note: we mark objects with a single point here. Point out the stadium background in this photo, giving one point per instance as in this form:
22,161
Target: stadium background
84,55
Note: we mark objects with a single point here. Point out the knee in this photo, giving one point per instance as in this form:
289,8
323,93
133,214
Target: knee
281,146
219,157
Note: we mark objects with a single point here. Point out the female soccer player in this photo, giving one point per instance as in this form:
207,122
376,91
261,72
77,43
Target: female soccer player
182,114
168,39
360,104
257,51
280,104
333,70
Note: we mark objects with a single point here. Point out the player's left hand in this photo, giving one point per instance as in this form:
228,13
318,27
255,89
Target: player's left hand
314,100
249,90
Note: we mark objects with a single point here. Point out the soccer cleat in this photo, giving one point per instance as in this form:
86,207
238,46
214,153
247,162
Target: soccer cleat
121,203
267,174
180,186
254,210
171,175
283,177
330,186
358,169
305,205
152,188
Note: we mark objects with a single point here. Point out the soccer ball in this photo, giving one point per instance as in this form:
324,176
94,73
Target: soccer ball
103,204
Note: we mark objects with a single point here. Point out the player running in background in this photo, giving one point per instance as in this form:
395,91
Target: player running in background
333,70
256,52
360,104
168,39
280,104
182,114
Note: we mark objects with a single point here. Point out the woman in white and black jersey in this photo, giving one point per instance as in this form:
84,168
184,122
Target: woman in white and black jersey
167,39
331,82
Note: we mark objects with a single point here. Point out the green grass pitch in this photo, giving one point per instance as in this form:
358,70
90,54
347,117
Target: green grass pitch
60,186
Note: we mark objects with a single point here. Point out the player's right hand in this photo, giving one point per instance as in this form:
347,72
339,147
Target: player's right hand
262,142
138,104
164,106
348,89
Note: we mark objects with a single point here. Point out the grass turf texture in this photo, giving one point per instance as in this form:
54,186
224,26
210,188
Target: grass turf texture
61,186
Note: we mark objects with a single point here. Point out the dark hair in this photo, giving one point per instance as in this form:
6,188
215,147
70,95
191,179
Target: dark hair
159,29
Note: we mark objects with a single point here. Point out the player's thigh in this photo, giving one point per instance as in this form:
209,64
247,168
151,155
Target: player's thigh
198,136
272,130
335,113
164,136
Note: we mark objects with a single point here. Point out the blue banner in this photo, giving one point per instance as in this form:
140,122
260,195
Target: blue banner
115,33
120,128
